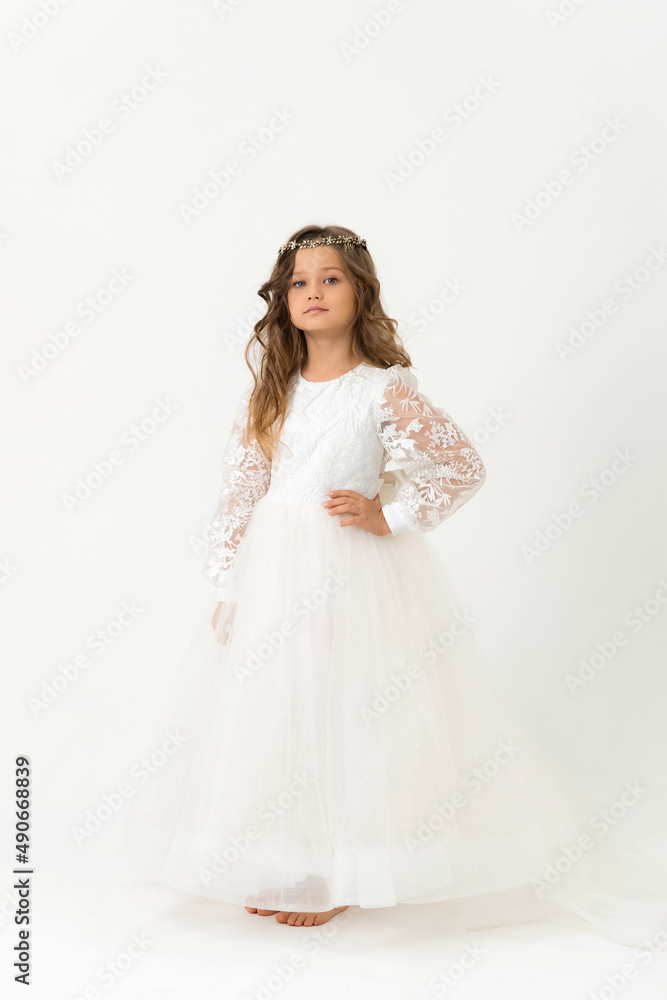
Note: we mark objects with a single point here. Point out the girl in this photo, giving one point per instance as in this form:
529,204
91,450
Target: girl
340,741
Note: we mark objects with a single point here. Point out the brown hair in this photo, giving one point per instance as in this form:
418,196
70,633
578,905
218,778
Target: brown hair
282,346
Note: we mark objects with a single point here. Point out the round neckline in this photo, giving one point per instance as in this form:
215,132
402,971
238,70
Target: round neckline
328,381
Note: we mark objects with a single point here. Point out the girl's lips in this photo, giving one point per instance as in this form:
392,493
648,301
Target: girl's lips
316,309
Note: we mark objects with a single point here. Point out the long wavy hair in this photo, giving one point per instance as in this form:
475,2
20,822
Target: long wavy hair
279,348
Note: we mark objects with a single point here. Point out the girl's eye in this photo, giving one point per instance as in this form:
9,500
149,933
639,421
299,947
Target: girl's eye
301,282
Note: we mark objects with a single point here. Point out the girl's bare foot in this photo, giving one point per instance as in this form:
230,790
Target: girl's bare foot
307,919
295,892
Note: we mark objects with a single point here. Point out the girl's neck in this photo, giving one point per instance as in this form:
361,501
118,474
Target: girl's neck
322,368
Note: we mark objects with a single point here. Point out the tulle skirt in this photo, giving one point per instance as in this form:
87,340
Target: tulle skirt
334,738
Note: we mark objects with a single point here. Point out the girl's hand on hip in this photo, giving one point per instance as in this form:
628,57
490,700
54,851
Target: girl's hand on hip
365,513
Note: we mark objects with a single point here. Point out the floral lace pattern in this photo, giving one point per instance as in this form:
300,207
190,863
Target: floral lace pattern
339,435
328,441
246,475
443,467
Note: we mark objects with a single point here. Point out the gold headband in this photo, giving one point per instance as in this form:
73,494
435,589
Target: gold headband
327,241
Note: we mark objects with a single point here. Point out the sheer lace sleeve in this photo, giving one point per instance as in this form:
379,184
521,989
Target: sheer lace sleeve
246,475
442,466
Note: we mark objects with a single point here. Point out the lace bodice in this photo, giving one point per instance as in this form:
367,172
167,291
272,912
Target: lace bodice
339,435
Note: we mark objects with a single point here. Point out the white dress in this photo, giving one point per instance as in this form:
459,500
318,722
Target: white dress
340,739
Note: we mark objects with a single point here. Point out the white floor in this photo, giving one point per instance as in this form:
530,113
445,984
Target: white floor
94,938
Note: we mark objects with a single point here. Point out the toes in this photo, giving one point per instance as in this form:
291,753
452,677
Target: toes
251,909
266,913
295,919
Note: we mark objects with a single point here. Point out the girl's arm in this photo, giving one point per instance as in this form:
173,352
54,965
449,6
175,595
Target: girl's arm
246,475
443,467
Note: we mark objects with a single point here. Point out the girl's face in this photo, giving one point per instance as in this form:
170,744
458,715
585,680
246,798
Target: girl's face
319,281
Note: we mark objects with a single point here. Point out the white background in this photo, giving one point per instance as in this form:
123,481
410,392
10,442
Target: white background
360,100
